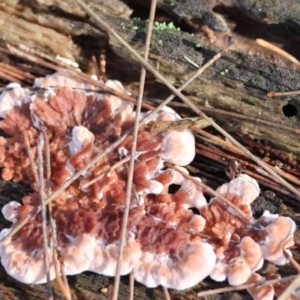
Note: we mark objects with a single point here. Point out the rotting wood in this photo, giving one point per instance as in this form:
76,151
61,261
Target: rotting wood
237,83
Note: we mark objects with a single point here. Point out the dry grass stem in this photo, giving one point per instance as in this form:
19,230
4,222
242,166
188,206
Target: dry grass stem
249,119
290,289
64,289
45,56
16,73
63,281
293,262
243,286
231,148
131,285
277,50
96,67
31,159
9,78
166,293
180,125
113,167
274,185
234,115
74,74
40,147
133,150
211,192
290,93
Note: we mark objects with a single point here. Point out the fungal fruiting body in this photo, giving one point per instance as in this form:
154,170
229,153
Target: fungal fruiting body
88,214
166,243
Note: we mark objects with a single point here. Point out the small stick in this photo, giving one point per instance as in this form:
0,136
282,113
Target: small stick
29,153
64,282
248,118
131,285
43,213
116,165
201,147
290,93
166,293
64,289
72,73
133,150
211,192
102,64
243,286
96,67
232,115
291,259
45,56
290,289
9,70
110,292
18,70
277,50
9,78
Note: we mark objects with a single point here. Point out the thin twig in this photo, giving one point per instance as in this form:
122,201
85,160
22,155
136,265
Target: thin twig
166,293
290,93
72,73
15,72
64,281
292,260
43,213
229,114
45,56
64,289
132,154
211,192
31,160
290,289
113,167
286,175
131,285
9,77
277,50
183,98
243,286
95,65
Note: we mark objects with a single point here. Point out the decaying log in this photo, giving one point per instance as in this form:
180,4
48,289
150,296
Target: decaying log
237,83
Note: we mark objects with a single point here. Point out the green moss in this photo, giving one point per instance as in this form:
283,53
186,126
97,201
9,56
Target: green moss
165,26
224,72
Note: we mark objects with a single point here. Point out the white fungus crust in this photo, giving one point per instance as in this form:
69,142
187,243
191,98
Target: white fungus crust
176,273
163,242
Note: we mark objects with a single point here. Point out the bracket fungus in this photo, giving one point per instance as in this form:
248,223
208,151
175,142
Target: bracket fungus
166,243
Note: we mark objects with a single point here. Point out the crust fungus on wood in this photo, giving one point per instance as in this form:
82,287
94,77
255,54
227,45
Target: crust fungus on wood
166,243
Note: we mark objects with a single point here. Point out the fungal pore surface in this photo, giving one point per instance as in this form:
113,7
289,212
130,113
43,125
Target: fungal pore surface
167,243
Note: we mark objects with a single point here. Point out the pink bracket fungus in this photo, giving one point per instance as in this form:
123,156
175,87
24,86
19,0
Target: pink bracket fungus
265,292
166,242
88,214
241,247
